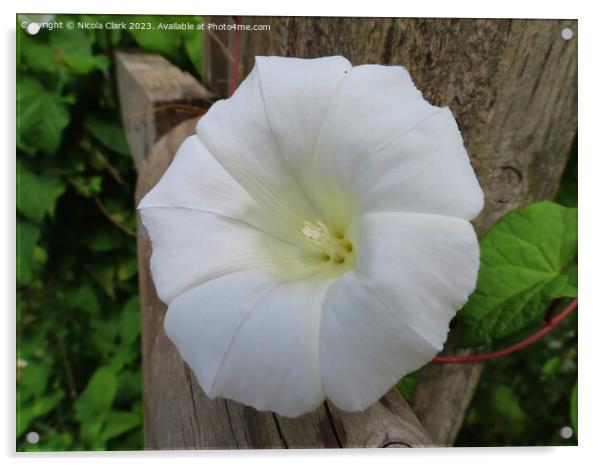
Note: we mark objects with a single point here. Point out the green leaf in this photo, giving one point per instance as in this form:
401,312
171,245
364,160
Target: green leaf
82,298
127,268
73,49
87,186
118,422
28,235
574,408
194,46
104,273
28,410
130,320
527,259
37,195
106,239
165,42
508,410
568,189
108,132
33,378
94,403
407,385
41,117
36,55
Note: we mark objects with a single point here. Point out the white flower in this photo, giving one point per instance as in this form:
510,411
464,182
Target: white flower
312,240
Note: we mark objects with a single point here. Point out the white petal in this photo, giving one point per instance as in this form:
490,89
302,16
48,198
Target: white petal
425,266
380,135
365,345
191,247
426,169
195,180
238,133
252,340
391,315
296,92
203,320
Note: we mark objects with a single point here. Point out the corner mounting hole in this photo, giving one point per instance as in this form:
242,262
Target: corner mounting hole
567,33
32,437
32,29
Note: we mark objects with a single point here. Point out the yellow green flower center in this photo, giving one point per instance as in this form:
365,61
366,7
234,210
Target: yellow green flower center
337,249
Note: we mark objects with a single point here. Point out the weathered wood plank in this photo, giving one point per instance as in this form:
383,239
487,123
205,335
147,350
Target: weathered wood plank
512,85
154,96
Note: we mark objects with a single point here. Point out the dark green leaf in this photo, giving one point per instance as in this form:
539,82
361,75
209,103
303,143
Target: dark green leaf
82,298
118,422
194,46
73,49
27,236
568,189
34,377
407,385
37,195
41,117
28,410
109,133
94,403
165,42
130,320
527,259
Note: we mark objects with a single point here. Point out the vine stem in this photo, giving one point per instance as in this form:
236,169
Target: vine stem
235,56
547,328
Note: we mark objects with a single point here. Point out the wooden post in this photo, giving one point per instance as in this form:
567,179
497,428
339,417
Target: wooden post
155,96
177,414
512,85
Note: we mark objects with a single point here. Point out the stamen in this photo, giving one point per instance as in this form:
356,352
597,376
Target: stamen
336,248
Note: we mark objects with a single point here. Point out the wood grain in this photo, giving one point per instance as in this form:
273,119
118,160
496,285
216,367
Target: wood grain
154,96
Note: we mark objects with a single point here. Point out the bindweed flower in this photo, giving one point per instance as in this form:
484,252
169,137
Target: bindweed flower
312,240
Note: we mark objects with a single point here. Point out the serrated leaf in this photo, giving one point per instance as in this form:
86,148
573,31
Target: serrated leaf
37,195
41,117
527,259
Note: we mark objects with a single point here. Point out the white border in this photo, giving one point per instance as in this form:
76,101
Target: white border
590,263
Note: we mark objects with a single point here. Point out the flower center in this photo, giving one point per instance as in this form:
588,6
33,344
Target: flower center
337,249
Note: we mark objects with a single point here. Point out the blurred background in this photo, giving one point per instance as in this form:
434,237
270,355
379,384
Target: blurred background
78,325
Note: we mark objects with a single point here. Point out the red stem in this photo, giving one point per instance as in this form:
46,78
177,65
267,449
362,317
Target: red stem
547,328
235,56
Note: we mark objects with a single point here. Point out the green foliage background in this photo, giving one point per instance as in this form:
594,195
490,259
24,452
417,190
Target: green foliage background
78,329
